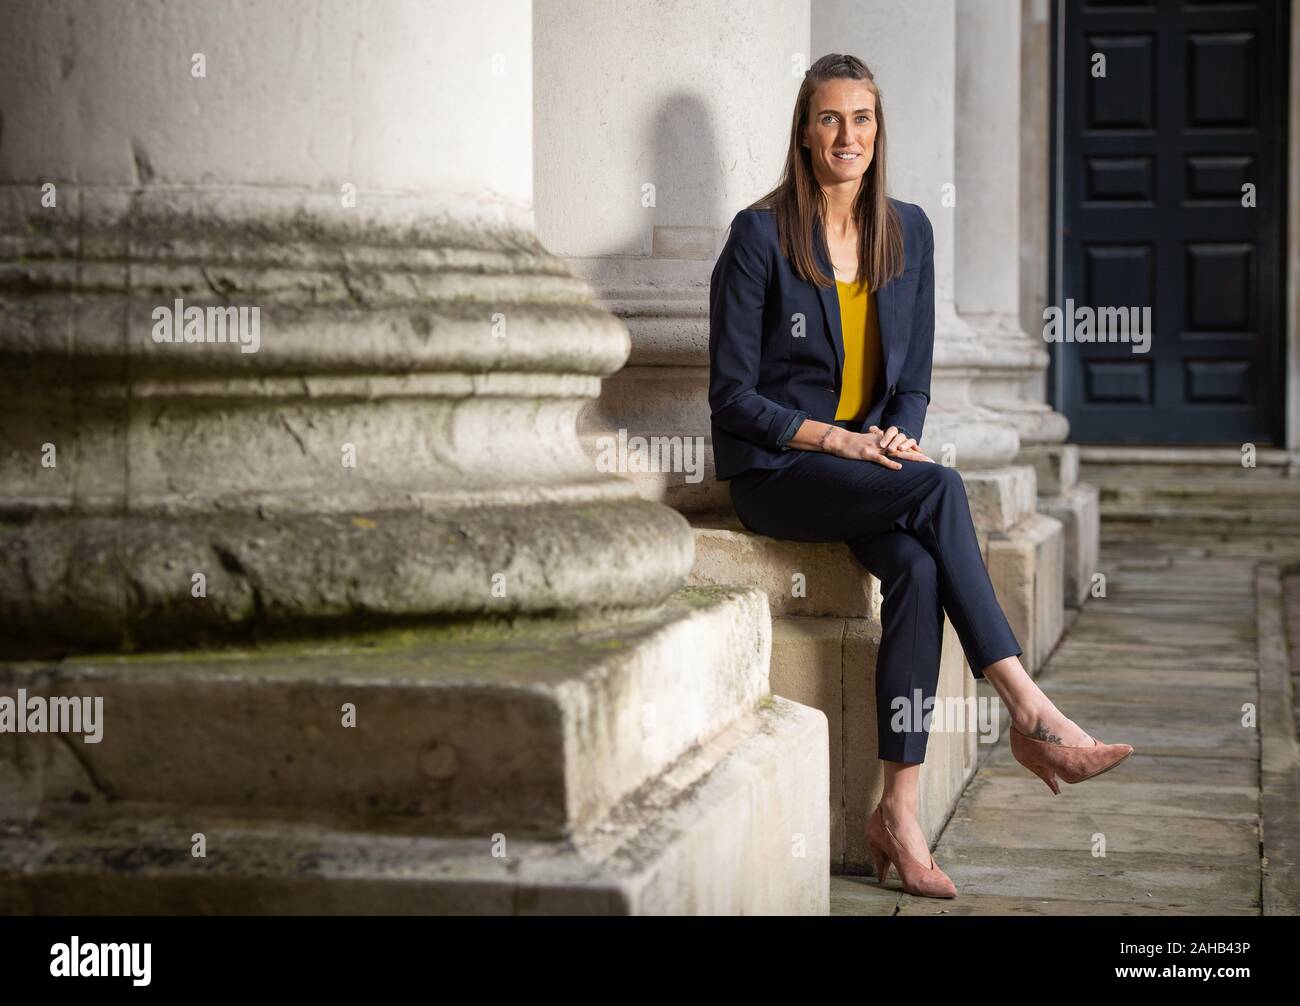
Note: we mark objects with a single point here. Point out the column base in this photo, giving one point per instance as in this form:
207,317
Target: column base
635,762
710,836
131,580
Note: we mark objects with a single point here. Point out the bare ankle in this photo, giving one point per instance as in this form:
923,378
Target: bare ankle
1032,718
1028,722
898,806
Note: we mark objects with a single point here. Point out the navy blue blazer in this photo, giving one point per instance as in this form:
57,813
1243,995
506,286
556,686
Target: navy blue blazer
776,349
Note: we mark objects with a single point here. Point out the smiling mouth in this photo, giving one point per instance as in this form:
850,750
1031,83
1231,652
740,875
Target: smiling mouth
848,156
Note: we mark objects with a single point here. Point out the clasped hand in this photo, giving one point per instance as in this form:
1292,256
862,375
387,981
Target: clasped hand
880,446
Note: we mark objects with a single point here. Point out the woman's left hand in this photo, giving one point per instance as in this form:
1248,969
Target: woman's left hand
894,442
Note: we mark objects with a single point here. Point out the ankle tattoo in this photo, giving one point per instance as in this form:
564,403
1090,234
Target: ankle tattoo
1041,733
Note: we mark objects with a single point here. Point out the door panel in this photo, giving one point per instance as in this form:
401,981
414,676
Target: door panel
1158,147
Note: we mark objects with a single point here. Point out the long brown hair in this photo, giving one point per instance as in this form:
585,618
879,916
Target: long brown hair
798,200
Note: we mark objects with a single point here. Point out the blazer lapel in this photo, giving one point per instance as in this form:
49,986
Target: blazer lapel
830,299
888,330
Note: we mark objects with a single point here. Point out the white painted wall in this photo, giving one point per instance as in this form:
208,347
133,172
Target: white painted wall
694,99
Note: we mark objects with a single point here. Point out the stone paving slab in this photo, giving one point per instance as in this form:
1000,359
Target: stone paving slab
989,904
1211,623
1231,840
1211,617
1208,771
1069,666
1130,655
1164,587
1216,726
1229,645
1126,878
1220,737
1231,641
853,895
1088,688
1185,800
1159,677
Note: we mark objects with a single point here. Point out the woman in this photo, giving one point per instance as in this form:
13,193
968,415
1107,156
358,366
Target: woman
821,334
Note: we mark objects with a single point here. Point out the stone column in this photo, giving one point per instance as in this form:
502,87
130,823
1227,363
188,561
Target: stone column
420,361
930,163
1002,133
374,487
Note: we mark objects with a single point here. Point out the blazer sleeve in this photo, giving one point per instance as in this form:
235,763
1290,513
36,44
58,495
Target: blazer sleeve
737,291
911,398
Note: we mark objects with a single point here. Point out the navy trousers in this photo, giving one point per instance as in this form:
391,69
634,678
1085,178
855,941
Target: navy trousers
912,529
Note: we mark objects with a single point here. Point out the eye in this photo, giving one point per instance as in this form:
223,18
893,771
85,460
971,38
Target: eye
827,118
864,118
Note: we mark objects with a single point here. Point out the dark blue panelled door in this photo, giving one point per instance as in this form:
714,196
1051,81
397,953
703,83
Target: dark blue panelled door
1169,206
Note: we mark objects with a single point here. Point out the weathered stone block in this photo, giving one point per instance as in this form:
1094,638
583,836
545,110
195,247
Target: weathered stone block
1057,466
799,578
533,725
736,826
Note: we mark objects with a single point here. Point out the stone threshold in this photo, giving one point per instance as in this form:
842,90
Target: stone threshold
1197,454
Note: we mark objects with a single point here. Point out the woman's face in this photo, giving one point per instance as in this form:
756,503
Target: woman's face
841,133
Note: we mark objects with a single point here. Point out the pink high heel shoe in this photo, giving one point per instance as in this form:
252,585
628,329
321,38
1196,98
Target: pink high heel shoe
917,878
1073,764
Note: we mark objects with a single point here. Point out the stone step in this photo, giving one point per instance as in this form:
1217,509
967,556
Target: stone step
1225,515
799,578
737,826
539,725
1247,490
1225,466
1264,493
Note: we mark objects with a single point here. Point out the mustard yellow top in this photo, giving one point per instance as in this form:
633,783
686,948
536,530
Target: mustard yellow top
863,361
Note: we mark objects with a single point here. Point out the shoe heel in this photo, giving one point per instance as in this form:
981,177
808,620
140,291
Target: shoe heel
881,862
1048,776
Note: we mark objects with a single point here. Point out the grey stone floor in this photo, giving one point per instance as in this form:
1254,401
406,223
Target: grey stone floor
1165,661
